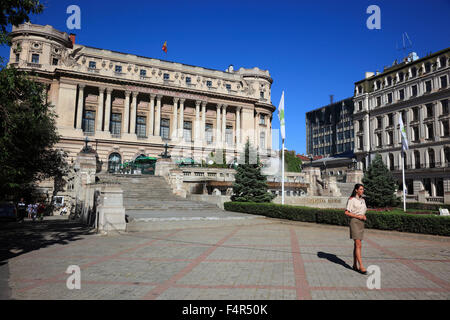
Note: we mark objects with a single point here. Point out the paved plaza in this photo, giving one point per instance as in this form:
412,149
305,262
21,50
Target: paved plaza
258,258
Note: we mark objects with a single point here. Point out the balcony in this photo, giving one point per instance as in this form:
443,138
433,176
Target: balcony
34,65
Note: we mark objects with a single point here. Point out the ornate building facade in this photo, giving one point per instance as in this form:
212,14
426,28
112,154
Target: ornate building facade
418,91
129,105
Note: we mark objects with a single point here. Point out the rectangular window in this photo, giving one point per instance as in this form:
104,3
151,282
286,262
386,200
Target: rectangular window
116,123
143,73
166,76
187,131
229,135
209,83
262,119
416,134
209,133
378,101
428,86
391,137
444,104
118,69
444,82
389,96
141,126
165,128
55,62
89,121
414,91
379,140
17,57
401,94
360,105
416,114
445,128
429,107
430,134
34,58
262,140
261,94
360,143
390,119
92,65
379,123
228,86
188,80
360,126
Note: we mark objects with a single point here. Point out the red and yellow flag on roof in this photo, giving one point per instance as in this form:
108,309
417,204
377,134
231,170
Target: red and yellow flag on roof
164,47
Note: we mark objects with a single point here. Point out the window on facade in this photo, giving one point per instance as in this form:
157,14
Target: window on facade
444,104
401,94
444,82
209,83
187,131
55,62
188,80
391,161
428,86
401,76
430,134
165,128
347,134
116,123
431,158
360,143
379,123
389,81
379,139
118,69
143,73
414,90
89,121
443,62
413,71
166,76
415,134
360,125
261,94
209,133
228,86
390,119
229,135
416,114
17,57
389,96
429,107
445,128
262,119
262,140
34,58
416,159
141,126
378,84
391,138
92,65
360,105
403,114
378,101
427,67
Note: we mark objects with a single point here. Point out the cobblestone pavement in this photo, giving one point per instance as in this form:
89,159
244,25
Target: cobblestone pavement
268,259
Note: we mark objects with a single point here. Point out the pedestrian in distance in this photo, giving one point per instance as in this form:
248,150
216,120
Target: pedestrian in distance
21,210
30,210
356,210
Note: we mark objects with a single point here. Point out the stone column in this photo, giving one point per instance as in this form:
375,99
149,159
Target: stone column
218,124
203,126
366,133
197,122
224,123
422,111
158,116
257,130
126,116
175,116
101,91
108,109
181,124
151,115
238,125
133,112
436,124
80,106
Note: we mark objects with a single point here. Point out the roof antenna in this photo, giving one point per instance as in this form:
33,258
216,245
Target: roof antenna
406,44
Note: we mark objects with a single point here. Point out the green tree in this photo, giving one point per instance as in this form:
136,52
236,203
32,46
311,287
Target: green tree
379,185
250,184
292,163
27,122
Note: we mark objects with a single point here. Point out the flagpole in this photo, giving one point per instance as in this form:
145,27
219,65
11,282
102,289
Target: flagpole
282,174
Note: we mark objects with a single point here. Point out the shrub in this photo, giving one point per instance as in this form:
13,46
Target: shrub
404,222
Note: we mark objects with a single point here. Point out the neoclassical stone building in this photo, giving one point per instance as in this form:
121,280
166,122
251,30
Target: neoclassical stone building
129,105
418,91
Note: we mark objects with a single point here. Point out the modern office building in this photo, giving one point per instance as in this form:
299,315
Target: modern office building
329,129
128,105
417,89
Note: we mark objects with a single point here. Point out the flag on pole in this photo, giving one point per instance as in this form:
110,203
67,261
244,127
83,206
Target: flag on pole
281,117
164,47
403,131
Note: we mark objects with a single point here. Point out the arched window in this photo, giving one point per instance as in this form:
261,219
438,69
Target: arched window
114,162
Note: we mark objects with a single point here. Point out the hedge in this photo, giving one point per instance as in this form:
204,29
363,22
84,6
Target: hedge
404,222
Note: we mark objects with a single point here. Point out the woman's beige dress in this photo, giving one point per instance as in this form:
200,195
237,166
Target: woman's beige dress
356,206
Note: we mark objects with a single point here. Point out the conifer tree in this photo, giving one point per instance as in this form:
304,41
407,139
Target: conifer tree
379,185
250,184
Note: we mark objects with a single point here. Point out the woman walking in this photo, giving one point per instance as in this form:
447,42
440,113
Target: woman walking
356,210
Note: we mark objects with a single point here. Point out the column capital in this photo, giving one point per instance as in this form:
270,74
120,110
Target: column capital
152,96
127,93
81,86
182,100
197,103
224,106
135,93
204,103
175,99
101,89
109,90
219,106
159,97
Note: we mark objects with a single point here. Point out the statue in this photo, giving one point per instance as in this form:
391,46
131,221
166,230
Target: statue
165,154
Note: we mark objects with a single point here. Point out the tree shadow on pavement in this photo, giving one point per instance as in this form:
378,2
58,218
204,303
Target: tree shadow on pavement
333,258
20,238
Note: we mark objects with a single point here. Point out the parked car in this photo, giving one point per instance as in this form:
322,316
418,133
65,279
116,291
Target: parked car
8,211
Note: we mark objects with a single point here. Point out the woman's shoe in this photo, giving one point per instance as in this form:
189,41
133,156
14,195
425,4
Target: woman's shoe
362,272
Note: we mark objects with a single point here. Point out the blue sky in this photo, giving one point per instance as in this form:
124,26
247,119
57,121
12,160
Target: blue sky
311,48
